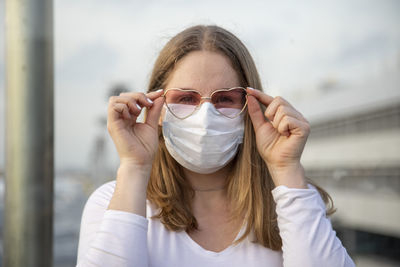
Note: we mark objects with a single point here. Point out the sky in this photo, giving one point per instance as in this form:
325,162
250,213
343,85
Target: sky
300,48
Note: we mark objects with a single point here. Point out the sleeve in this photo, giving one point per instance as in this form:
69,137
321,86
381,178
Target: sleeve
307,235
111,237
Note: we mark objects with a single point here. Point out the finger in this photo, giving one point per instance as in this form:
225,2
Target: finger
274,105
286,125
134,107
140,98
135,101
290,125
154,112
122,109
285,111
113,113
155,94
255,112
262,97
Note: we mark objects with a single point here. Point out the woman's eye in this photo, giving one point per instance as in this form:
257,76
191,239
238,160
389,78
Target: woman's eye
224,99
186,99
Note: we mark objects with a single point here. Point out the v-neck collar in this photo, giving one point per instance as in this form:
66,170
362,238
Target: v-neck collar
208,253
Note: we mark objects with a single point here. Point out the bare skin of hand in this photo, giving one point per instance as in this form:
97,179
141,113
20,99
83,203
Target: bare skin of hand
281,134
136,144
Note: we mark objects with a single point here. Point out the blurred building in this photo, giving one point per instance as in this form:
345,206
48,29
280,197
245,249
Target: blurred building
354,153
101,167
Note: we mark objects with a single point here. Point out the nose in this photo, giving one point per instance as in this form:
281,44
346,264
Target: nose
205,99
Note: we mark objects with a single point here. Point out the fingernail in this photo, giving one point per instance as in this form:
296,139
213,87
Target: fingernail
149,100
138,107
159,90
251,88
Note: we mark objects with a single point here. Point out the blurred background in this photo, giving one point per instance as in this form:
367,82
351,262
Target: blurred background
338,62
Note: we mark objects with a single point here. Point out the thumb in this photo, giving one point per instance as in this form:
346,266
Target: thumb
154,112
255,112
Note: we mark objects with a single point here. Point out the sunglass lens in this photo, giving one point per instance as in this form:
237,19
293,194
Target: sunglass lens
182,103
230,102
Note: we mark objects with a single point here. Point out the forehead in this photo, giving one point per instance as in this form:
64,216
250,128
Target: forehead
203,71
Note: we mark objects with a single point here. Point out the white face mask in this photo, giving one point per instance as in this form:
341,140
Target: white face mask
205,141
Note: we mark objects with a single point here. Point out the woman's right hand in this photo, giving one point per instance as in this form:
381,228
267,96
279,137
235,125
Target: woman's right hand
136,142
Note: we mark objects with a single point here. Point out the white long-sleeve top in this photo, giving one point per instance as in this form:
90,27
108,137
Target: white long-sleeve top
117,238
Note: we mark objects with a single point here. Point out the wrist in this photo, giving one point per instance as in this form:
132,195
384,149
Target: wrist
292,176
127,166
129,175
130,190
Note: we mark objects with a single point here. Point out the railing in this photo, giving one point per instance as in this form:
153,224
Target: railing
377,119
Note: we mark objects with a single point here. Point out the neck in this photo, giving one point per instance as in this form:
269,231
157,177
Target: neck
208,182
210,189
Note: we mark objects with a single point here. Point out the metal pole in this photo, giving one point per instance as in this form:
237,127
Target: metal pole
28,220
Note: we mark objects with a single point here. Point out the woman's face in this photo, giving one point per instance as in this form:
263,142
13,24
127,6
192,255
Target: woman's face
203,71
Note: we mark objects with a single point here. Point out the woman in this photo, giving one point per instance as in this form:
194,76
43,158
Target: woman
211,178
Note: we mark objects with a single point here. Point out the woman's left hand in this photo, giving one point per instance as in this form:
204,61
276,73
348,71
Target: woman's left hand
281,134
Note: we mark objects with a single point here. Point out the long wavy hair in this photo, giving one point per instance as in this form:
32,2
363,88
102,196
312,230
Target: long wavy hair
249,183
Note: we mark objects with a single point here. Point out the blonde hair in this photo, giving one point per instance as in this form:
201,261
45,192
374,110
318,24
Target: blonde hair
249,184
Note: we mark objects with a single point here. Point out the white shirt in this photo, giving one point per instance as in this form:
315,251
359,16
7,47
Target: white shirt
117,238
